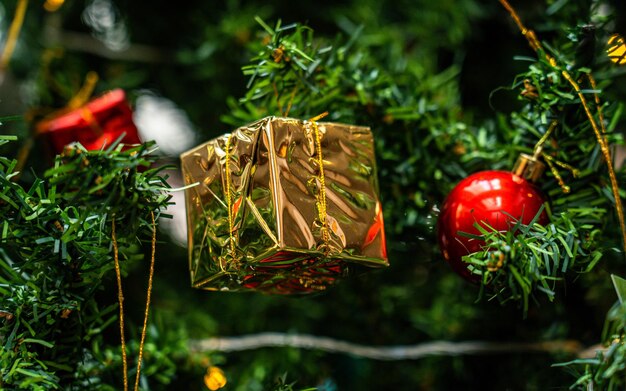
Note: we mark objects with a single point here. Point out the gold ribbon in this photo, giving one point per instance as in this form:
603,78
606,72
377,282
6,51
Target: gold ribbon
229,202
321,194
599,131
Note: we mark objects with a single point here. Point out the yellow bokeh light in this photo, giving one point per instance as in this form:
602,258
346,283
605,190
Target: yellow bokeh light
214,378
53,5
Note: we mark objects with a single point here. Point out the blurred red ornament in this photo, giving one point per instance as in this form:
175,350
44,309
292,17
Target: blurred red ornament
95,125
485,197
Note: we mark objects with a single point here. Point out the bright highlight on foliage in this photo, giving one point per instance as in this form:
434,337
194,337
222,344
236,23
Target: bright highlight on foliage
214,378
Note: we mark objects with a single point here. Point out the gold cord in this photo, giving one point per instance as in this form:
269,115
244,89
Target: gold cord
85,91
536,45
146,312
91,120
594,86
277,96
529,34
22,157
604,146
229,201
291,98
549,160
544,138
321,202
120,298
14,32
552,161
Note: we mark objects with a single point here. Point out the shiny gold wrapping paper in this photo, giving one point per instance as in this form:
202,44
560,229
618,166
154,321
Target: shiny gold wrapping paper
277,241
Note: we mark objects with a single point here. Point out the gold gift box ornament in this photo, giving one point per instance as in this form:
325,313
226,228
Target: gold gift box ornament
283,206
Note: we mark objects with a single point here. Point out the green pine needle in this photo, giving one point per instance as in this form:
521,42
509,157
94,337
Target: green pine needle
55,256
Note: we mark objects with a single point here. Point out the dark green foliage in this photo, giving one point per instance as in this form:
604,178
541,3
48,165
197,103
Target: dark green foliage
531,259
605,371
55,258
280,384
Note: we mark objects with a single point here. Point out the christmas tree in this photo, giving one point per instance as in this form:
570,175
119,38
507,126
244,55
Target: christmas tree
497,130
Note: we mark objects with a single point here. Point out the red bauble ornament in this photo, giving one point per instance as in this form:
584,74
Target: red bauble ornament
482,198
95,125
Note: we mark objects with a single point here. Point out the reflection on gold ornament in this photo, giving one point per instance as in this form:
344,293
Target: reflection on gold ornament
283,206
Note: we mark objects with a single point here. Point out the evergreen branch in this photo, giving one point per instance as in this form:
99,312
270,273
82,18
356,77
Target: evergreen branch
281,385
385,353
531,259
580,234
606,370
55,255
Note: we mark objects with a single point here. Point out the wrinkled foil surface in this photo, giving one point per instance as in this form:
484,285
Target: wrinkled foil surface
275,193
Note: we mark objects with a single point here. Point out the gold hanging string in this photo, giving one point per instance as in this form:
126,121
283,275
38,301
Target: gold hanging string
321,202
536,45
529,34
145,317
550,161
291,98
594,86
22,157
544,138
91,120
229,202
120,299
575,172
538,151
604,146
277,96
14,32
85,91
